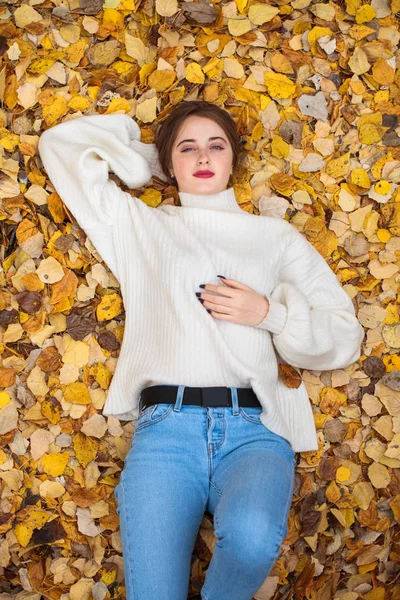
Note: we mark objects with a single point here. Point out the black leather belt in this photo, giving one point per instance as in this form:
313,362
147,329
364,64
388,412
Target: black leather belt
201,396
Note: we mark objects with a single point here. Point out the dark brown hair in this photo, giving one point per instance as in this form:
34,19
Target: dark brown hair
168,131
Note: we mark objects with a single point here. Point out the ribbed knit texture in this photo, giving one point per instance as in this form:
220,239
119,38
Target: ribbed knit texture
160,256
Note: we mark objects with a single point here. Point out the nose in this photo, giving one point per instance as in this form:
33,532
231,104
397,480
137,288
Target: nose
203,157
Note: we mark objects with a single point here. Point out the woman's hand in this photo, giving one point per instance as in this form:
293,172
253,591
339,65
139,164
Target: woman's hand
238,303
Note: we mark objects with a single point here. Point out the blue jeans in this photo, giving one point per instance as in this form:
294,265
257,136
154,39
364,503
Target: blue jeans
185,460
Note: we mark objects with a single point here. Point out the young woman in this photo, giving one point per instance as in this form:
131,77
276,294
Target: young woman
212,295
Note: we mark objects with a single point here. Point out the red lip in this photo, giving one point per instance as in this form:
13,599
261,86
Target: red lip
204,174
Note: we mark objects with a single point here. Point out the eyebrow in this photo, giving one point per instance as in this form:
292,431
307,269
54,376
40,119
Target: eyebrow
217,137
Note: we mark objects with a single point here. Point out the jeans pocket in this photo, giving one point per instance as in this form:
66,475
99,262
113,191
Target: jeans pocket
153,414
251,414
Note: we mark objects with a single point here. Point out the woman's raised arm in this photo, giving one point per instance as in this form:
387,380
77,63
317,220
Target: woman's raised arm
78,154
311,317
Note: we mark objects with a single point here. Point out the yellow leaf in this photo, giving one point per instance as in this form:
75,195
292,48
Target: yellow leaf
342,474
54,464
85,448
41,65
377,167
4,399
383,235
136,49
283,184
145,72
365,13
113,19
262,13
109,307
392,362
213,69
371,134
161,80
257,132
241,4
358,62
76,51
166,8
102,375
319,420
151,197
118,104
279,147
359,177
382,187
146,110
239,26
122,67
126,5
278,85
382,72
352,6
194,74
54,111
51,410
79,103
9,141
314,35
23,533
374,118
331,401
3,457
281,64
338,167
93,91
333,493
77,393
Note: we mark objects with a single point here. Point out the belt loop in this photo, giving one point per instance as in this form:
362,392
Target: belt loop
235,403
179,398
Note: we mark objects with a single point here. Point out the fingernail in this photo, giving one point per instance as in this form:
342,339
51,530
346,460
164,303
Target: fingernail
200,300
222,277
198,293
203,285
208,310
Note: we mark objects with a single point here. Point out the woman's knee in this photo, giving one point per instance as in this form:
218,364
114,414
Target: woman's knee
254,543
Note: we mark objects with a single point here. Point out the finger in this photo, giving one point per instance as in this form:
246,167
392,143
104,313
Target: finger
219,308
222,317
219,289
217,300
235,284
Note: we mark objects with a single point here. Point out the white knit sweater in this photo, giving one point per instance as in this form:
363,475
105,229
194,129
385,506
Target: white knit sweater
160,256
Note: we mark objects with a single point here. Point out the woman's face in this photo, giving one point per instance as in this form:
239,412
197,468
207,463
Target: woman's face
201,145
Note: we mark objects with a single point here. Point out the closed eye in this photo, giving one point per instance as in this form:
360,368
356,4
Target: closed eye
216,146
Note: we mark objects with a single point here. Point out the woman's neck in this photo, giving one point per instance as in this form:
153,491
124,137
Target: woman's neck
224,200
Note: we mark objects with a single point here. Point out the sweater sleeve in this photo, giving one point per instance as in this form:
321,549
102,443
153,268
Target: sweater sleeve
78,154
311,317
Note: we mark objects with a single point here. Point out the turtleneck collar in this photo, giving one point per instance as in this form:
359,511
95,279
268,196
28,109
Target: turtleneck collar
224,200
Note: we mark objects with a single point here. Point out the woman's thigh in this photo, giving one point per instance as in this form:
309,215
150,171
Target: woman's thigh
161,499
252,487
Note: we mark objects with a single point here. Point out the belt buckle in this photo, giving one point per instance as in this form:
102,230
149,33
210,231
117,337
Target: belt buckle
214,396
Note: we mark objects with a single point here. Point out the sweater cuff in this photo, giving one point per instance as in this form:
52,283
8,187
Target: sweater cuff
276,318
150,153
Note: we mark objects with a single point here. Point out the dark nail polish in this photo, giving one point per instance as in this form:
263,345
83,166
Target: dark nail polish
208,310
222,277
200,300
203,285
